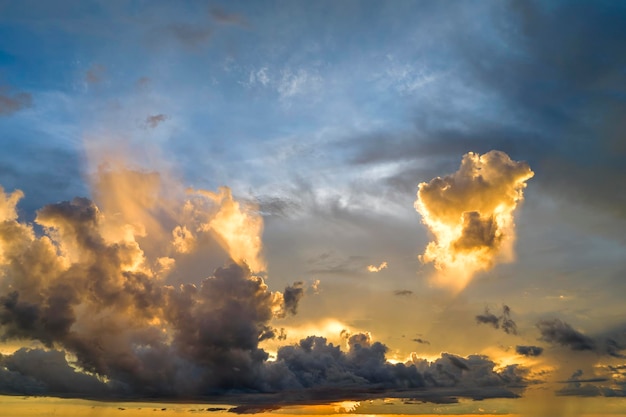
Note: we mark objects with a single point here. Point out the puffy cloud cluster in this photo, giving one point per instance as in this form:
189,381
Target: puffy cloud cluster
363,372
470,214
92,292
85,287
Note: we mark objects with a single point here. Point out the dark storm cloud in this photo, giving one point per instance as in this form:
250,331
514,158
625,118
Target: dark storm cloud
12,103
503,321
52,373
528,350
558,332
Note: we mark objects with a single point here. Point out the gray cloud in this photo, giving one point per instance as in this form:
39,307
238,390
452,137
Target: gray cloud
528,350
558,332
488,318
503,321
52,373
292,296
403,292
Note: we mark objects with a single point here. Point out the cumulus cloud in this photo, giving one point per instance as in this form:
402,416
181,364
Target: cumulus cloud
374,268
315,363
470,214
86,287
81,284
12,103
504,321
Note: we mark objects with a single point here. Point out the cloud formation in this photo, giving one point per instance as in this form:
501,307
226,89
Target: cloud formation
528,350
558,332
86,286
504,321
374,268
470,214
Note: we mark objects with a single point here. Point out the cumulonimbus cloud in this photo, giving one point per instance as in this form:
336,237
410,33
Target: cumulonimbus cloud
470,214
90,288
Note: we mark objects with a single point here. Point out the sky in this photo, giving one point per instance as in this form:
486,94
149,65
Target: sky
288,203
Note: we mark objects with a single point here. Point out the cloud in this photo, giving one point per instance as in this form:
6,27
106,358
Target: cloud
238,227
86,287
403,292
470,214
528,350
82,285
316,364
421,341
296,83
488,318
155,120
503,321
374,268
52,373
292,296
10,104
558,332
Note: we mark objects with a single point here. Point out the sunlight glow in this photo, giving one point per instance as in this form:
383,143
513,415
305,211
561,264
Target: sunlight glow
470,214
